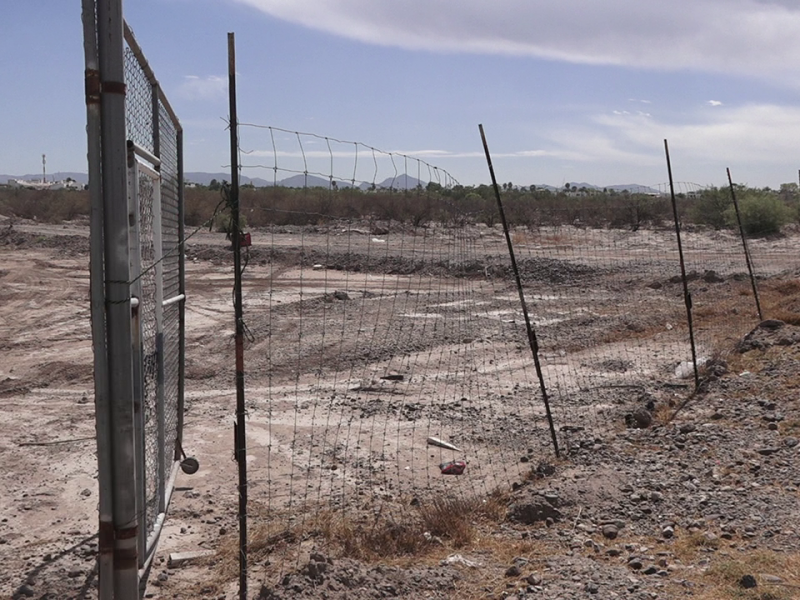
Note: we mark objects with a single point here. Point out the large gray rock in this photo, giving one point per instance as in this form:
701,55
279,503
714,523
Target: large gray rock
533,509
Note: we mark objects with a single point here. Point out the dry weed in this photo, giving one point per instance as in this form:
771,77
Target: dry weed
721,580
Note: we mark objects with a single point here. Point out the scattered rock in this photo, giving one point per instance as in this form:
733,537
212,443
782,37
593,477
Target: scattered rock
513,571
610,531
533,510
748,582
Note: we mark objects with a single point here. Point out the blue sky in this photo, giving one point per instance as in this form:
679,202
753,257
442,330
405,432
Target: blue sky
574,90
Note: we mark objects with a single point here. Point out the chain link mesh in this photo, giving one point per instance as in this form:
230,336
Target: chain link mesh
138,103
149,327
158,134
170,232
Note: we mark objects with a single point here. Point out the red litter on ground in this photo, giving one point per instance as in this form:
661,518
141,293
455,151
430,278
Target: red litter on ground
454,467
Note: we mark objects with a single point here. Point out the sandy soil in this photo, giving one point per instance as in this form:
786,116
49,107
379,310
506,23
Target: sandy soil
341,398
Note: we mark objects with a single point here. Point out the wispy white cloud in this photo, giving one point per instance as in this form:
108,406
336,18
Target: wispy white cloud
210,87
750,135
714,103
758,38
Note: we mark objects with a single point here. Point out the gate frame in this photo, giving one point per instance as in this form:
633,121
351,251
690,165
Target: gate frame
126,544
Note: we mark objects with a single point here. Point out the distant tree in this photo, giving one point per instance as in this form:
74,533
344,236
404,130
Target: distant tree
763,212
710,207
214,185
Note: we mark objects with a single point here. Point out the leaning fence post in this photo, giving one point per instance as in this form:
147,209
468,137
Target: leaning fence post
532,341
687,297
239,429
746,249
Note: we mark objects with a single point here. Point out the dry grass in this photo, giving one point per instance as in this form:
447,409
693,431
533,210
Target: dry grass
688,546
425,533
663,414
721,580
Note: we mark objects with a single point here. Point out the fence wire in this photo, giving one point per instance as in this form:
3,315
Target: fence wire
382,318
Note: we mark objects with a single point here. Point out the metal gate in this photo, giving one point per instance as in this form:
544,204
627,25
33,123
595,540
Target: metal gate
156,325
137,296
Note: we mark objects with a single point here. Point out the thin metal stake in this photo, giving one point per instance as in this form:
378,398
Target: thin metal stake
687,297
239,430
746,249
532,341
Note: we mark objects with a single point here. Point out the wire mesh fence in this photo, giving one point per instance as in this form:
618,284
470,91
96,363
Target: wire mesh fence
387,349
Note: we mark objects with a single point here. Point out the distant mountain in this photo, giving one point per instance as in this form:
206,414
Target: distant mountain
583,184
622,187
401,182
300,181
201,178
634,187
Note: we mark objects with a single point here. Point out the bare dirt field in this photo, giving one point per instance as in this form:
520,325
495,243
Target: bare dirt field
361,346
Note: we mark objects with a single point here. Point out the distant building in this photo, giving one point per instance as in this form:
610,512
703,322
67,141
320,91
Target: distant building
67,184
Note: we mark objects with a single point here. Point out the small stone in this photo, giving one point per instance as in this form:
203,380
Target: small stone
687,428
86,493
668,532
513,571
534,579
610,531
635,563
651,570
639,418
24,591
748,582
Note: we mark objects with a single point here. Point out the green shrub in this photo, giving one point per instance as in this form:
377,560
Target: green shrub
710,208
763,213
224,224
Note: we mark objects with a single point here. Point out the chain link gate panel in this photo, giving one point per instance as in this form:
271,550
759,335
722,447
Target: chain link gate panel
156,255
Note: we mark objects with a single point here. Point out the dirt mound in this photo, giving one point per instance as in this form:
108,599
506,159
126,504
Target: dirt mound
771,332
71,245
531,269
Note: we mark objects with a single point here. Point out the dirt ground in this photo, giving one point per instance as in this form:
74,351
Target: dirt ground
341,401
